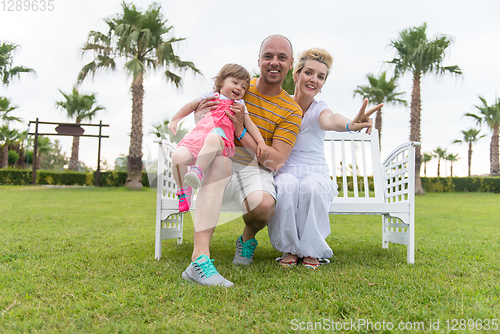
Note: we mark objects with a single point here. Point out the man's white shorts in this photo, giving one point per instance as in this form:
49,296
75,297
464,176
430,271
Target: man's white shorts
247,179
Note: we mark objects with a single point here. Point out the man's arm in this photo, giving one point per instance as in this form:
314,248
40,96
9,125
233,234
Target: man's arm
253,130
278,154
278,151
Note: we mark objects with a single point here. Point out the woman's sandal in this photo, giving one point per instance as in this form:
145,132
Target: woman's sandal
287,264
313,266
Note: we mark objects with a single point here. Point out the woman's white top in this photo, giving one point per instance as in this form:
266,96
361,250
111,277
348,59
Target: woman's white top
308,154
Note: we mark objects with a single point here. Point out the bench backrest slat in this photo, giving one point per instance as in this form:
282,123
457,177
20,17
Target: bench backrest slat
361,163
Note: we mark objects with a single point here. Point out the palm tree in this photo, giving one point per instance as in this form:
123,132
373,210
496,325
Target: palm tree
451,158
161,130
6,107
45,147
490,115
139,38
425,159
8,135
7,68
8,71
440,154
380,91
470,137
22,140
80,107
418,55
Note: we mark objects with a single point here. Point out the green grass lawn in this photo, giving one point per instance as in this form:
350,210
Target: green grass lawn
81,260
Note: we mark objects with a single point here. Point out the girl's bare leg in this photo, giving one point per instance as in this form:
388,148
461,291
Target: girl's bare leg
213,146
180,158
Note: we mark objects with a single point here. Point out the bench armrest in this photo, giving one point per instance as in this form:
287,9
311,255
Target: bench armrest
398,150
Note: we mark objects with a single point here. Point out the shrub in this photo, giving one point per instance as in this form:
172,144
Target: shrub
360,181
14,176
62,178
112,179
491,184
13,157
438,184
118,179
468,184
461,184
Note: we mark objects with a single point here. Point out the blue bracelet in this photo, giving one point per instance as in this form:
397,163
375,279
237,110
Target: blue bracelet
347,127
242,134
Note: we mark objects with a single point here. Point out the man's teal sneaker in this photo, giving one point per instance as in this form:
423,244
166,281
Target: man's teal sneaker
244,251
203,272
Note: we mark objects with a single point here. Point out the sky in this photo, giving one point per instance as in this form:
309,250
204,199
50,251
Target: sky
357,34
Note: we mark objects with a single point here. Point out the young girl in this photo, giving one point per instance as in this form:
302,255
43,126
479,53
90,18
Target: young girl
213,134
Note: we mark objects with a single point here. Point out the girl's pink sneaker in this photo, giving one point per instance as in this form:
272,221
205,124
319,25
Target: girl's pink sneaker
194,177
184,198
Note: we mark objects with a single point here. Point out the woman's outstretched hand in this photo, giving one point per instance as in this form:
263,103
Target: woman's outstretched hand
362,119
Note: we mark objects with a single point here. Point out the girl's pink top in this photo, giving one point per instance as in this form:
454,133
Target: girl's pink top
214,121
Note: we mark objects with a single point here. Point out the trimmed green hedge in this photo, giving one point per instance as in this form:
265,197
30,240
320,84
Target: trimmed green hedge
117,179
361,184
63,178
461,184
43,177
14,176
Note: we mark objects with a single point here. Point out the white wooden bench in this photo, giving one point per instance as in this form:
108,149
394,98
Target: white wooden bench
352,159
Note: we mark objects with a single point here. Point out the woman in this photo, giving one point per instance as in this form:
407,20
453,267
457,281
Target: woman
305,190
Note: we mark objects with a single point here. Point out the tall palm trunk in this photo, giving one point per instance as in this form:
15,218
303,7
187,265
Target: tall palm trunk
415,129
73,161
378,126
4,156
469,157
494,163
134,164
21,162
439,167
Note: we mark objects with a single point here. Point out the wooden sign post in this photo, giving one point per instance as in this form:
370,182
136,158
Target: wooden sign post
68,129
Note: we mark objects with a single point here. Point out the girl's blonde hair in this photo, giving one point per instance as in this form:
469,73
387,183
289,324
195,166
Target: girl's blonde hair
231,70
317,54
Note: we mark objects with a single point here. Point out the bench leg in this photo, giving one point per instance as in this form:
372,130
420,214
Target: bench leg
385,242
158,239
170,228
399,230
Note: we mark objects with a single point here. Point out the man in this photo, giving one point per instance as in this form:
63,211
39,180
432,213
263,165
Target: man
278,118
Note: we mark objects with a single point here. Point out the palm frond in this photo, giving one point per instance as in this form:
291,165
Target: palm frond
8,70
174,78
135,67
79,106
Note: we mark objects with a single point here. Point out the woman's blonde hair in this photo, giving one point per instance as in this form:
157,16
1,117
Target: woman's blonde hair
317,54
231,70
